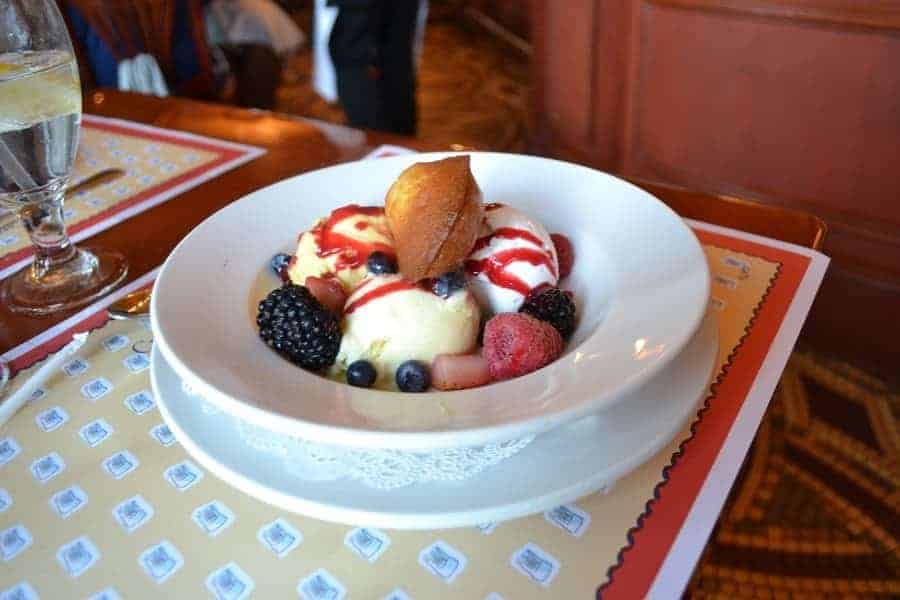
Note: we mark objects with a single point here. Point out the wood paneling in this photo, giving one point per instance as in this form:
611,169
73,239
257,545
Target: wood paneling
795,103
873,14
782,111
569,108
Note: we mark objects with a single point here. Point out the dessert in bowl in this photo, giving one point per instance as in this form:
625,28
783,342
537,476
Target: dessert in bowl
640,284
395,297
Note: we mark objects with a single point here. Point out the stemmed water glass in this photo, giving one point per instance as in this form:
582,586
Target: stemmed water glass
40,115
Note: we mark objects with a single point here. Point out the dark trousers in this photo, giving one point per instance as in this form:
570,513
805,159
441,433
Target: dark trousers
371,46
257,71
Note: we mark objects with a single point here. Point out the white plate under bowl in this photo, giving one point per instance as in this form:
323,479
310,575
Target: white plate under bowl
640,280
559,466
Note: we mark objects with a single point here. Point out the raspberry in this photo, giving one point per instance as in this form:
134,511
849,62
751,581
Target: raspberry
565,254
554,306
516,344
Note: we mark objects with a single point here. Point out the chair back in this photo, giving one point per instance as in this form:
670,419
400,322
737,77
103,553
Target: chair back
172,31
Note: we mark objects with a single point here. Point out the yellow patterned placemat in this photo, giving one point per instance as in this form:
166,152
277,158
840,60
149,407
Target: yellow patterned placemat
157,164
97,497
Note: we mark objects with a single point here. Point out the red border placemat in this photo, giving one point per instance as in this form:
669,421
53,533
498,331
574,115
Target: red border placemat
667,538
651,538
229,155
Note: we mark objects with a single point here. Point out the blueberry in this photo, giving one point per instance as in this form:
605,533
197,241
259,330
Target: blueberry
448,283
380,263
279,264
413,376
361,373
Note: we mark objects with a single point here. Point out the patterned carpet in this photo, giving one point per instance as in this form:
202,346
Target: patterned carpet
816,511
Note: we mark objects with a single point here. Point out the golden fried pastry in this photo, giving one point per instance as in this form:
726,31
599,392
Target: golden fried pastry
434,211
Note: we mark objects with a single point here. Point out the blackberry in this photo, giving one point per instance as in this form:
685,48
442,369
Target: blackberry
554,306
299,328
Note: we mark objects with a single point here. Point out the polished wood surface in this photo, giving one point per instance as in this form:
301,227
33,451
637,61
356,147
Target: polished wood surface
790,103
793,226
294,146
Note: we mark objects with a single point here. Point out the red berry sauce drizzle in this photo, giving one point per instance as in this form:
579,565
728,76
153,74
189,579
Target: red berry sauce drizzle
379,292
494,266
351,252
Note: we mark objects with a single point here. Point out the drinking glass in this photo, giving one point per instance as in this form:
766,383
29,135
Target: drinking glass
40,115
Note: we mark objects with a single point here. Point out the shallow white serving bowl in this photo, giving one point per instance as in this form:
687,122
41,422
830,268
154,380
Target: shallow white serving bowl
640,280
558,467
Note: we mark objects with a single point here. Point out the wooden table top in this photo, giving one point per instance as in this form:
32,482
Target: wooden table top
297,145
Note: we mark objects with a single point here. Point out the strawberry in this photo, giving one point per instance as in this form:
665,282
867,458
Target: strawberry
517,343
565,254
329,292
459,371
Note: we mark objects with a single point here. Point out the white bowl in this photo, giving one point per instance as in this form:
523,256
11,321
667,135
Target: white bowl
558,467
640,280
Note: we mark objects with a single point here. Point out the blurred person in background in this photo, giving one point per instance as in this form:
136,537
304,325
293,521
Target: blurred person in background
206,49
372,47
248,32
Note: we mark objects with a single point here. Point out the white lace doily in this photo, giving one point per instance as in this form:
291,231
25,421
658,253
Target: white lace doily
382,469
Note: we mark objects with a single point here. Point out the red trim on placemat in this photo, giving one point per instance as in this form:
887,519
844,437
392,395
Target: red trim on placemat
89,323
650,543
39,353
158,135
225,155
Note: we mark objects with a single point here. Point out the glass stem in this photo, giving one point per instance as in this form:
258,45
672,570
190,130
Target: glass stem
42,217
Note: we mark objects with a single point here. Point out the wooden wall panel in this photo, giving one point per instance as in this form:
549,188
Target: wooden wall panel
568,48
768,108
790,102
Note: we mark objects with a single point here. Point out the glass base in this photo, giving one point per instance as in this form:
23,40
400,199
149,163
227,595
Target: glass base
88,275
